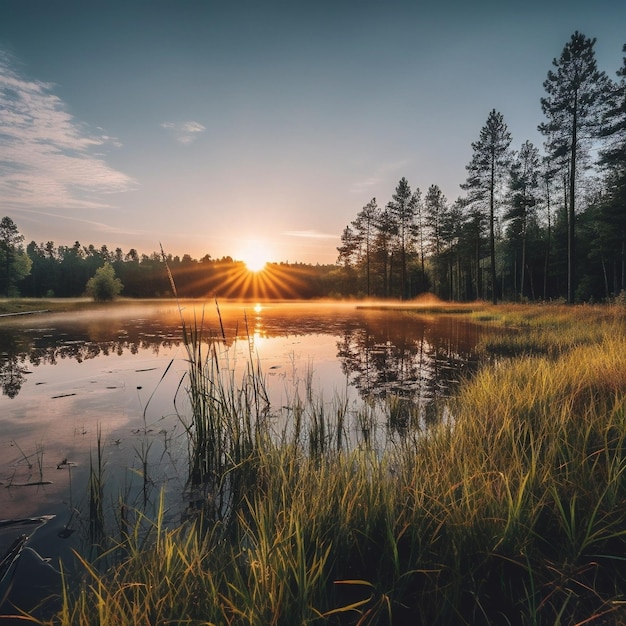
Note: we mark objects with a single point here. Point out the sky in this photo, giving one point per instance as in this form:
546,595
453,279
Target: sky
240,127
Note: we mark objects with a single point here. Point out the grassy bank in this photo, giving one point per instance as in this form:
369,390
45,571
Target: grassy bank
24,306
511,511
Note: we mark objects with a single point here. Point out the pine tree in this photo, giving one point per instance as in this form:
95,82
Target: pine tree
613,160
419,235
485,171
524,189
573,104
435,214
349,248
386,232
402,209
365,226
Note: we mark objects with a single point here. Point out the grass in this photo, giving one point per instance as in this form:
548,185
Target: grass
12,306
512,510
548,330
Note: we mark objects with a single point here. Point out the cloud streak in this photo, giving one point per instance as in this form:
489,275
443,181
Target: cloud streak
381,174
47,157
185,132
309,234
100,227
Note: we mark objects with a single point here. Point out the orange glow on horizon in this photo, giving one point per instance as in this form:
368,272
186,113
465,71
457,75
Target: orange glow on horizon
273,282
234,280
255,254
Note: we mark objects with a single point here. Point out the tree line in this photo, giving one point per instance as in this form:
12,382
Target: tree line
529,225
47,270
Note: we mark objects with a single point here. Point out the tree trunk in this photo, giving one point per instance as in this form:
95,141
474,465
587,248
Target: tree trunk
572,206
606,278
546,264
492,237
523,270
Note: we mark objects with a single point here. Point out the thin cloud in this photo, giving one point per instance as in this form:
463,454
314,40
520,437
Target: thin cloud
47,157
185,132
363,185
378,177
100,227
309,234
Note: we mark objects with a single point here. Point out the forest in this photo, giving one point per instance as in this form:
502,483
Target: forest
530,225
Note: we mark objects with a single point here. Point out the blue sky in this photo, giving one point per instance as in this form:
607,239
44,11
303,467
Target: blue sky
212,127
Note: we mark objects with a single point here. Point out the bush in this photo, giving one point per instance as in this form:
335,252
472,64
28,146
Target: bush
104,285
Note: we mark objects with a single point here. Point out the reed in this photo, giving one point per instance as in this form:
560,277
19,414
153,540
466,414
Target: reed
511,510
96,517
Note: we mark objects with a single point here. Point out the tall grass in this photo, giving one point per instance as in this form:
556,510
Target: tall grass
548,330
511,511
226,425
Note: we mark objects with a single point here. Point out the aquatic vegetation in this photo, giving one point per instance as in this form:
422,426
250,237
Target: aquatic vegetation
509,509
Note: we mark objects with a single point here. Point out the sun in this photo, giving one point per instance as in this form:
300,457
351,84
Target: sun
255,255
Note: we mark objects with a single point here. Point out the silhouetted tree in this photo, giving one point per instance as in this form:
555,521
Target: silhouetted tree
14,262
387,229
402,210
524,189
572,106
613,160
349,248
419,235
435,210
365,226
485,171
348,258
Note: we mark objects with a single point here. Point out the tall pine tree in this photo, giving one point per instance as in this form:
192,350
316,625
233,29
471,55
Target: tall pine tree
485,172
613,160
435,213
402,209
572,106
365,226
524,188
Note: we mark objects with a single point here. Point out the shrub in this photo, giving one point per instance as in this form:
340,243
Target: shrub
104,285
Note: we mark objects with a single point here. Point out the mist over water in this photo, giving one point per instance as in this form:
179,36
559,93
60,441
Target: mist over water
67,377
115,379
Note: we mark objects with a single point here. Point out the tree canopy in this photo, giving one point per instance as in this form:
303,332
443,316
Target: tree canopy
104,285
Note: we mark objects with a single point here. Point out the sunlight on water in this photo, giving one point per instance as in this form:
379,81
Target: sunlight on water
67,377
121,378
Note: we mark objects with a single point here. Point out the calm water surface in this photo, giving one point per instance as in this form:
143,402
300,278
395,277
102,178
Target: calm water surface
66,378
116,374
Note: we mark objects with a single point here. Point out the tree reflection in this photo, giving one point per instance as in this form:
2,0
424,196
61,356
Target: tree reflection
13,358
21,348
12,375
408,361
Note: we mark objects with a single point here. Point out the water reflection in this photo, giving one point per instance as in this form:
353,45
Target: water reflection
78,339
381,352
65,379
413,359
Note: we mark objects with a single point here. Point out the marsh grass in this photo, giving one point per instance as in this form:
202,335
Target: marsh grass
510,511
548,330
227,422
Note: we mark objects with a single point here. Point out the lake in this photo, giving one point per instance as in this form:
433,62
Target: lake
114,379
